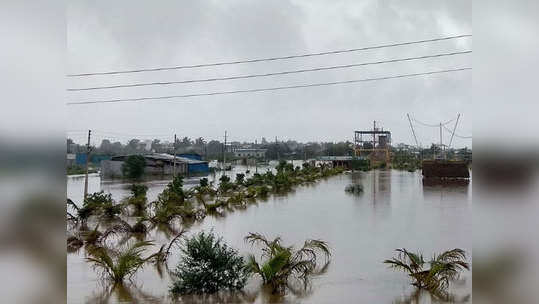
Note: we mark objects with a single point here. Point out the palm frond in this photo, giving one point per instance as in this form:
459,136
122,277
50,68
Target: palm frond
174,241
252,264
398,264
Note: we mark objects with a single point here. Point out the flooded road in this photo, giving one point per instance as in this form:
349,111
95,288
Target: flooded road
394,211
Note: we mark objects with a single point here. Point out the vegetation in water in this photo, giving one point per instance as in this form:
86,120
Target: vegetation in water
433,275
280,264
354,188
98,203
208,265
138,199
117,265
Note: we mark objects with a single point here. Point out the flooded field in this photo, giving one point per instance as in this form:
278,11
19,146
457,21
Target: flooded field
394,211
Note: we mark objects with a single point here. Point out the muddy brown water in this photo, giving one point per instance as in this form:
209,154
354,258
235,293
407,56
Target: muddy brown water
396,210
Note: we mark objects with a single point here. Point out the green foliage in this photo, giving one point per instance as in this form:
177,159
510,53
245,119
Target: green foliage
138,190
98,203
225,184
76,169
405,160
117,265
208,265
284,166
360,164
281,263
203,182
138,198
133,167
173,193
176,186
240,178
443,268
354,188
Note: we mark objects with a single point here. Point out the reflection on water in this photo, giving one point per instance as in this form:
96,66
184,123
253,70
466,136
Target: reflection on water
422,296
395,210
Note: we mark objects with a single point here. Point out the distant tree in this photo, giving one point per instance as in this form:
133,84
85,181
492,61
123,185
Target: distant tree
214,149
157,146
132,146
200,142
117,148
105,147
186,142
133,167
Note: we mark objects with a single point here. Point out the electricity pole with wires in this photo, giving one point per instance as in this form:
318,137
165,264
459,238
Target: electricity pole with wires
453,133
174,159
88,150
224,155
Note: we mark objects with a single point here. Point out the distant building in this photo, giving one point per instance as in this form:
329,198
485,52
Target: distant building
194,156
156,164
80,158
194,161
70,159
145,145
259,153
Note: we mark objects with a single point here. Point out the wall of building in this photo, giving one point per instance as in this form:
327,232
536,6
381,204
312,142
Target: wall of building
113,169
199,168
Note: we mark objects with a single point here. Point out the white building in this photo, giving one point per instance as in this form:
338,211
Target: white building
250,152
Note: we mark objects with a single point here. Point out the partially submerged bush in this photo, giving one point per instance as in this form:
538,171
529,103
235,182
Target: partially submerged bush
208,265
203,182
98,203
138,190
117,265
354,188
443,268
240,178
279,264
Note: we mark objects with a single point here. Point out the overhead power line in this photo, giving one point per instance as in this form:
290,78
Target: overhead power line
456,135
269,74
433,125
267,59
266,89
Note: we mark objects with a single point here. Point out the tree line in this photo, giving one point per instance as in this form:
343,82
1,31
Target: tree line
290,149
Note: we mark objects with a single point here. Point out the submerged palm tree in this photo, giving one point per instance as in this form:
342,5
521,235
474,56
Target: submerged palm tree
443,268
117,265
281,263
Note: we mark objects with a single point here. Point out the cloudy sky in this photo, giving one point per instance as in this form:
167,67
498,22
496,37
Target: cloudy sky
125,35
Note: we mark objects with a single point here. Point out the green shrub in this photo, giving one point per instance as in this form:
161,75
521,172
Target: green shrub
240,177
138,190
208,265
354,188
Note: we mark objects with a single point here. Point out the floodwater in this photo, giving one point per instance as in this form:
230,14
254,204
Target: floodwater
395,211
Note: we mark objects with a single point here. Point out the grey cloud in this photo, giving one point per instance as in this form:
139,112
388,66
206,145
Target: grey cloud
126,34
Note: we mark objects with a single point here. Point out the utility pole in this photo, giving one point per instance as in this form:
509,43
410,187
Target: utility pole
224,155
454,128
256,157
277,148
441,144
88,149
174,159
415,137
